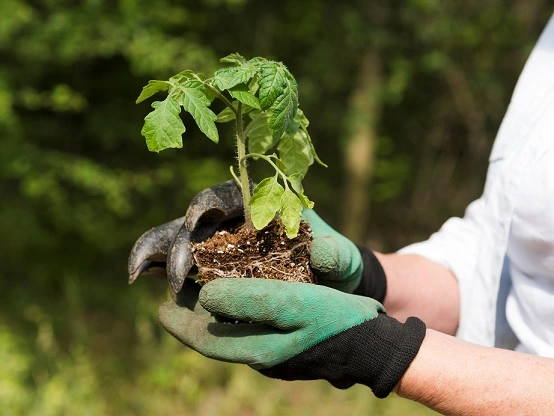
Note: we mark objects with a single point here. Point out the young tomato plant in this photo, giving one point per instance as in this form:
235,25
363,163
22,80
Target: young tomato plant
261,98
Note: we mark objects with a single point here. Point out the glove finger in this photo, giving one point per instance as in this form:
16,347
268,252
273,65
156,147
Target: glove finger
244,343
214,205
149,253
205,213
285,305
180,259
271,302
333,264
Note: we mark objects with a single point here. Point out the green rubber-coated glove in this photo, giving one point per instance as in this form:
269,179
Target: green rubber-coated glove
341,264
336,260
296,331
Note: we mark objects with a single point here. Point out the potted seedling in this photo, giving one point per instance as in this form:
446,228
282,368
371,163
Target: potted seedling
260,97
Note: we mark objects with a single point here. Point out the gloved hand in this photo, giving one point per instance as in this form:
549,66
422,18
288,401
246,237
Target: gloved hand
336,261
296,331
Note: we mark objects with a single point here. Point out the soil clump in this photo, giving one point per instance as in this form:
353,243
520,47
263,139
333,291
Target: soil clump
237,251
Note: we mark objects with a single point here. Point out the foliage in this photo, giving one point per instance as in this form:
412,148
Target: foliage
265,91
77,189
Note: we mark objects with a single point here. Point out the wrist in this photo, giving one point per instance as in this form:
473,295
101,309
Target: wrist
373,282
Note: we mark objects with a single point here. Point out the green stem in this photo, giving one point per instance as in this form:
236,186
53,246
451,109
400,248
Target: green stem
243,170
222,98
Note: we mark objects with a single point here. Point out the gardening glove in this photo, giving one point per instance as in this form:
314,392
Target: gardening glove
342,265
336,261
164,251
297,331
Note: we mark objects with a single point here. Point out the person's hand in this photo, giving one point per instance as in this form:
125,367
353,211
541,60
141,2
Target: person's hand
295,331
336,261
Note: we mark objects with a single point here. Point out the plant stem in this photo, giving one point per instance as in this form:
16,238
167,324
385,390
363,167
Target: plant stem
223,98
243,170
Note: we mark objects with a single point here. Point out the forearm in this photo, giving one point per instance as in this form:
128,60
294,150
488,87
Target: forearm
455,377
420,287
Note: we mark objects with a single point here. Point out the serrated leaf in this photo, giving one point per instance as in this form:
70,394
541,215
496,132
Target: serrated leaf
242,93
193,100
272,80
182,76
152,88
291,213
295,123
260,137
163,127
295,153
296,182
283,110
265,201
226,78
233,59
225,116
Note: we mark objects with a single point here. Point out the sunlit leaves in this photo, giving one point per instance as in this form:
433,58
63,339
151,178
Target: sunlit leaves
265,201
260,136
265,90
296,182
152,88
193,100
295,152
242,93
291,213
234,59
279,94
163,126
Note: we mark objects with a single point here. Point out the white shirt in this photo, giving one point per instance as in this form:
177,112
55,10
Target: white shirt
502,250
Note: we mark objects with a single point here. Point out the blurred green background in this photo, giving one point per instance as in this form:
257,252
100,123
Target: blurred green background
404,99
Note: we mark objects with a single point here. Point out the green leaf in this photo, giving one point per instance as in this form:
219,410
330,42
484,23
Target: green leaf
295,123
242,93
183,76
279,163
283,110
296,182
291,213
304,122
272,81
225,116
228,115
312,148
295,152
226,78
233,59
260,137
152,88
191,97
279,93
163,127
265,201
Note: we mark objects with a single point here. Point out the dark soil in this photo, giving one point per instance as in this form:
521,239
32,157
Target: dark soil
268,253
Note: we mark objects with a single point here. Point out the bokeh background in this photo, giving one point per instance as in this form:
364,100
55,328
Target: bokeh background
404,98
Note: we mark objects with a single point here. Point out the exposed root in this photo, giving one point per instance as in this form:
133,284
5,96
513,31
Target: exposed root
256,254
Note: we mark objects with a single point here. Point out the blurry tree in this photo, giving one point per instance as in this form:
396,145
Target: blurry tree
423,85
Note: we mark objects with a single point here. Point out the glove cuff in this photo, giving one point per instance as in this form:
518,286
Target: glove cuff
375,353
373,283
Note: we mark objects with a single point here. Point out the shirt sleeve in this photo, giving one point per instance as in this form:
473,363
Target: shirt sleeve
456,245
